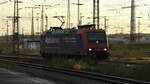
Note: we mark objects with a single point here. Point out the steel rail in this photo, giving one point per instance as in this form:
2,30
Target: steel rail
34,57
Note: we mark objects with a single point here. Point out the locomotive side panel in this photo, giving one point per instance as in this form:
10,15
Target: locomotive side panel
67,44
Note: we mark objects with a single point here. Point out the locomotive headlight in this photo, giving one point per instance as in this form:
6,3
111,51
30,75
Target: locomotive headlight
90,49
105,49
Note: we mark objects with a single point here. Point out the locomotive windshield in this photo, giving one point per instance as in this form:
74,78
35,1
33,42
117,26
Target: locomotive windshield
97,37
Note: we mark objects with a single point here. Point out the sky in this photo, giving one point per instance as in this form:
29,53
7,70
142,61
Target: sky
118,18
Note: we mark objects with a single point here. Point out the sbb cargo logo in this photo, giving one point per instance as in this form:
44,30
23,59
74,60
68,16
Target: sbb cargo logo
70,40
49,40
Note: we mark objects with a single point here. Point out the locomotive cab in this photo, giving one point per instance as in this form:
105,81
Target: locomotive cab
95,42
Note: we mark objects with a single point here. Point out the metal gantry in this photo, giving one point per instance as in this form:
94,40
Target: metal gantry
96,21
96,13
16,27
139,25
105,23
38,23
32,21
46,20
78,12
132,22
42,15
7,31
68,14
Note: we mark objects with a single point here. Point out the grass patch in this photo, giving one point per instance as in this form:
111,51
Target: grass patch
129,50
6,48
29,52
139,72
122,70
71,63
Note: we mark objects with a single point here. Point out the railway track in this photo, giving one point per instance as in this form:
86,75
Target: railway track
28,58
39,58
78,73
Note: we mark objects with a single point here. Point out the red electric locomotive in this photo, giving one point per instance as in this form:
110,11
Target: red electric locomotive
86,41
